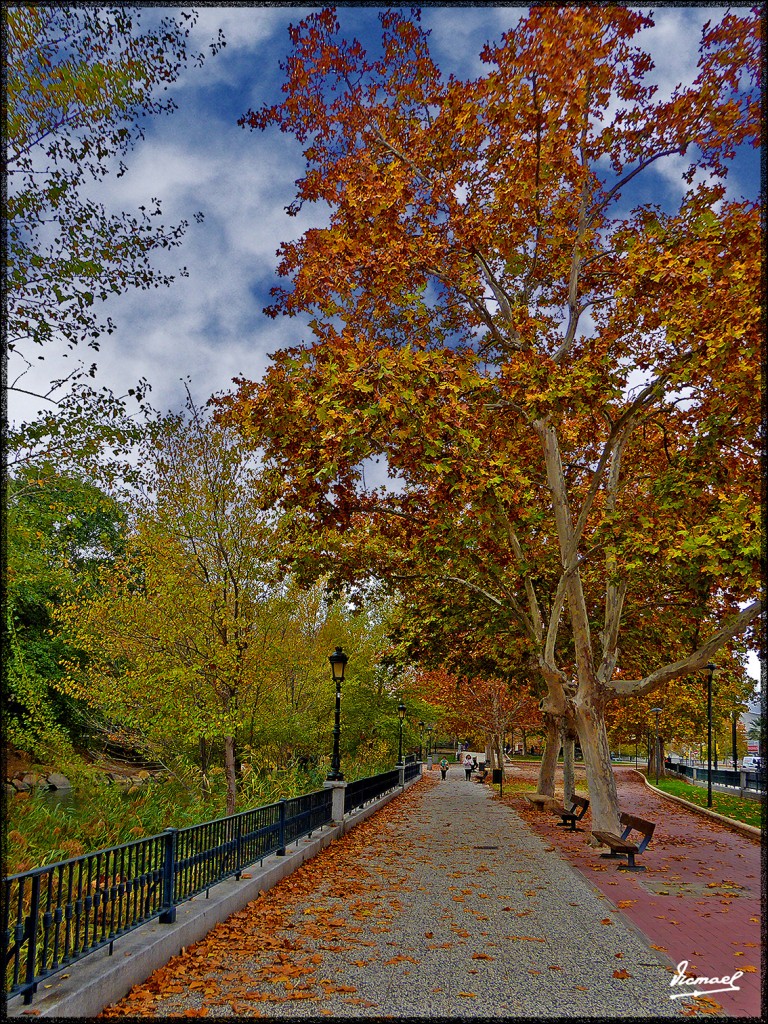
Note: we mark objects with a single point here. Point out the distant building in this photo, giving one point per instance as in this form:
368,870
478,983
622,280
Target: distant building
748,720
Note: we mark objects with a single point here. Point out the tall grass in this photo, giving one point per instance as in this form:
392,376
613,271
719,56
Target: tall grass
42,829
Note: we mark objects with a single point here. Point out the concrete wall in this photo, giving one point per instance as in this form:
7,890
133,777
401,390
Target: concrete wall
84,988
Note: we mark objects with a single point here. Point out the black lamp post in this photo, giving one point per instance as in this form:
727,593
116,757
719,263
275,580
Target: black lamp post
421,740
429,745
657,712
734,755
338,662
401,709
711,669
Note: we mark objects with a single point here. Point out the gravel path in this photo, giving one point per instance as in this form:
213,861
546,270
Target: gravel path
444,904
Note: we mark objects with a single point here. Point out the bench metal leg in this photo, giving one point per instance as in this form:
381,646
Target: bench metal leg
630,865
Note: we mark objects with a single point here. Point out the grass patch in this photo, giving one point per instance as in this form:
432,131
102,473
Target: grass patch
748,811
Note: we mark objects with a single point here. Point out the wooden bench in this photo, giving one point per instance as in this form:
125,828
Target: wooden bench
579,806
621,846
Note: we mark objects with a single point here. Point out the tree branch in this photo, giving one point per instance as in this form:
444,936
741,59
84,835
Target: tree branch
695,661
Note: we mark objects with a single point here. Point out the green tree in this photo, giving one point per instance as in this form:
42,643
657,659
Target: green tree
177,634
59,530
79,83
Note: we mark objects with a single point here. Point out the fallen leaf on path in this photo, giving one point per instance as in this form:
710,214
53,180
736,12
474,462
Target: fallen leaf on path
622,974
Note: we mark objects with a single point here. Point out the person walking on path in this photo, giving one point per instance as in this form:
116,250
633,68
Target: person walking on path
443,767
468,767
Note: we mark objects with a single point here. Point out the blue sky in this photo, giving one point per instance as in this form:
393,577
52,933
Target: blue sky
209,327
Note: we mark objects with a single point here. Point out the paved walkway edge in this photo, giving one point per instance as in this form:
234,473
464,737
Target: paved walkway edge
98,980
750,831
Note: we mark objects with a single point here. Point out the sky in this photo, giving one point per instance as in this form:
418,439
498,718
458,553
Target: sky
209,327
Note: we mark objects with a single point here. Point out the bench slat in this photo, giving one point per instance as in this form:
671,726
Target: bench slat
622,845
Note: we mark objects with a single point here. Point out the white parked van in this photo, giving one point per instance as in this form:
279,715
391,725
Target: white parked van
750,763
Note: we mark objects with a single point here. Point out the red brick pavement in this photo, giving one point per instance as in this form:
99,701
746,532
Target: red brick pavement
699,897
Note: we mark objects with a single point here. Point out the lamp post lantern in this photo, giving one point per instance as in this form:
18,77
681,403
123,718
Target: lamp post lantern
657,712
401,709
710,667
338,662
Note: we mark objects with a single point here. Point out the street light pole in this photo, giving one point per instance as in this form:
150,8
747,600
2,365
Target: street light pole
734,755
657,712
421,740
711,669
401,709
338,662
429,745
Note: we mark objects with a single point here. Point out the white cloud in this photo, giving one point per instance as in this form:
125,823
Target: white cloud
673,44
458,34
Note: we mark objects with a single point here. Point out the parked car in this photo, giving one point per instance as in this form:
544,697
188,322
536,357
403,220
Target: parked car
751,763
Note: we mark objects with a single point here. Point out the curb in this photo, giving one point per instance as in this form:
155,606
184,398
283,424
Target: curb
102,978
750,831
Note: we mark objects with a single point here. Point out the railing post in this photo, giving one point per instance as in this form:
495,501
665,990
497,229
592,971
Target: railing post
34,910
280,852
239,848
337,807
168,913
401,776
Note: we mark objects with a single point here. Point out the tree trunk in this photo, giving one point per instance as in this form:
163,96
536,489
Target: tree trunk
569,780
604,801
655,761
549,756
229,772
205,786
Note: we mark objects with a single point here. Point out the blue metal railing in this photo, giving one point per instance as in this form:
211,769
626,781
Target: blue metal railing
363,791
720,776
55,915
